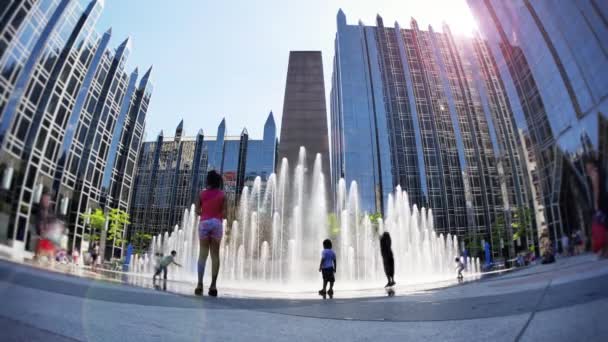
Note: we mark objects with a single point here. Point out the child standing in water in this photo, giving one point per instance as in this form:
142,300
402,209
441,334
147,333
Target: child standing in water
328,268
164,264
387,258
459,267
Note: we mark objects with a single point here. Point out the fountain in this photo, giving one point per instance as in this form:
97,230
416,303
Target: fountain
276,241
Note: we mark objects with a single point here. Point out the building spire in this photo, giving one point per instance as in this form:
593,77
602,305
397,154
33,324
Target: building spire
179,131
379,21
413,24
270,118
148,72
341,18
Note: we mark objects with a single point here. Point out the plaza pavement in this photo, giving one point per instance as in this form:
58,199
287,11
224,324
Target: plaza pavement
564,301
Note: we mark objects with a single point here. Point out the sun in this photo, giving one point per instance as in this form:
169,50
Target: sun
456,13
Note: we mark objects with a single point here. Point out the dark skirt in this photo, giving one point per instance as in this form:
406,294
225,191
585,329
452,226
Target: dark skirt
328,274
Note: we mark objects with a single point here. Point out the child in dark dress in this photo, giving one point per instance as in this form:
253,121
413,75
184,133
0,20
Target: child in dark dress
328,268
387,258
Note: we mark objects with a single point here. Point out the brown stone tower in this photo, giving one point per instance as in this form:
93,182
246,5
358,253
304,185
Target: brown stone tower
304,121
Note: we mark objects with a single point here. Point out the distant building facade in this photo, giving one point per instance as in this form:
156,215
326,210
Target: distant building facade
553,61
304,121
172,171
71,117
427,111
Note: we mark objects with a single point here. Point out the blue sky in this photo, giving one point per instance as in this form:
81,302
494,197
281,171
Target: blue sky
215,59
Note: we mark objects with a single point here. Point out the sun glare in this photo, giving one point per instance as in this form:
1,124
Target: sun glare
455,13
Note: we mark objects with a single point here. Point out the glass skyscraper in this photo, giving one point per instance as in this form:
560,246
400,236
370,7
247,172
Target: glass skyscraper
427,111
553,62
71,117
172,171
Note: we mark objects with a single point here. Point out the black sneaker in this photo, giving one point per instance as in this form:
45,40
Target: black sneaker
392,283
322,293
198,291
388,284
330,293
212,292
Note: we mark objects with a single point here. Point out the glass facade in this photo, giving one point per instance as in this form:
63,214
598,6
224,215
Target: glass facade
172,171
71,118
554,66
425,110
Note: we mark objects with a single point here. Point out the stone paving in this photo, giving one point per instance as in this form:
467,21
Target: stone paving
565,301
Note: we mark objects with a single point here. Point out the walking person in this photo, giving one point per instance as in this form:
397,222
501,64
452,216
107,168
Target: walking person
565,245
599,195
546,247
387,258
75,255
94,256
328,267
45,248
210,230
577,241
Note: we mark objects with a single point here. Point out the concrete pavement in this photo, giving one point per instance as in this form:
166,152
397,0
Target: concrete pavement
565,301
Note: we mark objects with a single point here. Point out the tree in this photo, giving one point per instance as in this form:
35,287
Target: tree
96,221
374,219
472,243
499,232
522,220
118,220
140,242
334,227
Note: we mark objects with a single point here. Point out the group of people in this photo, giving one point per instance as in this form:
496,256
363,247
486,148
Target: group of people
212,209
211,206
50,240
573,245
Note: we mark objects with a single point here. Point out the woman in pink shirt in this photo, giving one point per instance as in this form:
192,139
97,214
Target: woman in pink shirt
210,231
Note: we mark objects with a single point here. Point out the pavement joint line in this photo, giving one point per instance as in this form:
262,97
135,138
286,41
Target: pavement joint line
533,313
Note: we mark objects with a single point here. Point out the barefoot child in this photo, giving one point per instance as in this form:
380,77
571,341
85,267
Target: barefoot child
164,263
459,268
328,268
387,258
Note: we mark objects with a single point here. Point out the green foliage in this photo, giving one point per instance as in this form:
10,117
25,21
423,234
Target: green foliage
118,220
96,219
333,226
91,237
96,222
499,231
522,221
140,242
472,244
374,218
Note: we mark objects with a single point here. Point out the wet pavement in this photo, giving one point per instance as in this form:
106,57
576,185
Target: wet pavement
561,300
